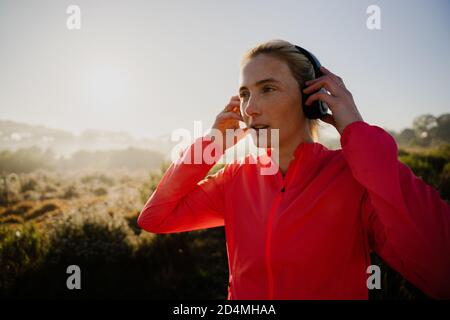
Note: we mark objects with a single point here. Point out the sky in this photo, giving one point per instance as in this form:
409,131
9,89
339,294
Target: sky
150,67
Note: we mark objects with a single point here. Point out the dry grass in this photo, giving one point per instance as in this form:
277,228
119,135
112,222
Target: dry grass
43,196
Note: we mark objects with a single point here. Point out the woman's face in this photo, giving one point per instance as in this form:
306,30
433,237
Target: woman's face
270,96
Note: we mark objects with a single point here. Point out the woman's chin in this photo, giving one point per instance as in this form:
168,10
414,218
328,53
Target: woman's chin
264,138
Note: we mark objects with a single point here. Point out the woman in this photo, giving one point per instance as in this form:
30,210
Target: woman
306,232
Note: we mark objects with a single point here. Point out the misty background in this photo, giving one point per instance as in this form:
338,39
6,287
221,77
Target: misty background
86,118
137,70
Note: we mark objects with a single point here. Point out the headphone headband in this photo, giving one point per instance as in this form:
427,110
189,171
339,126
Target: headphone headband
318,108
312,58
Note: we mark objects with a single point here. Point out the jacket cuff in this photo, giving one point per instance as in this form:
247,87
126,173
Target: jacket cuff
204,150
352,127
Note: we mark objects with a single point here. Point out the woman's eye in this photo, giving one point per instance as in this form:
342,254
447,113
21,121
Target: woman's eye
265,89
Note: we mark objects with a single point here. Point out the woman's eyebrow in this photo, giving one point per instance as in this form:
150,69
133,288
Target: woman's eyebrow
261,82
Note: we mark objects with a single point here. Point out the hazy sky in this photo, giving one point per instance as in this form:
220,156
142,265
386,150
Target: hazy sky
149,67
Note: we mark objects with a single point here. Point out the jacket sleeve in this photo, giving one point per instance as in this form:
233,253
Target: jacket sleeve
408,224
184,199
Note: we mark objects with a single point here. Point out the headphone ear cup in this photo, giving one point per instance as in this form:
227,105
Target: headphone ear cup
316,110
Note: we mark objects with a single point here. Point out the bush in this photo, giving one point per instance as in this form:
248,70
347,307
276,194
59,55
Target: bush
100,191
9,189
195,262
431,165
29,184
22,249
90,236
71,191
45,209
98,178
99,243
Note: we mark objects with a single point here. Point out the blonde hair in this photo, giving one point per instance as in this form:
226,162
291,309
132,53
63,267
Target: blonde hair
298,64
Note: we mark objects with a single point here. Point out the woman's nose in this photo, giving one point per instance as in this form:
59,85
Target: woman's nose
251,107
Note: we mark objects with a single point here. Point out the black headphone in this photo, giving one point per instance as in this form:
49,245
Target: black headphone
318,108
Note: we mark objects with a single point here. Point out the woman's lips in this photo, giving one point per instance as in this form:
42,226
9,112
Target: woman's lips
259,127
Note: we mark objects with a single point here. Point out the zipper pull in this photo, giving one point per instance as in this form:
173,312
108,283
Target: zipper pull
283,189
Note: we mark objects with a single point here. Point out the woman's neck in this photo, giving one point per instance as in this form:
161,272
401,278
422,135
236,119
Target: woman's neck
287,149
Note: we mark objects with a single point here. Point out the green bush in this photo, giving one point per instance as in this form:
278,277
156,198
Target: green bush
23,249
90,236
188,265
431,165
115,262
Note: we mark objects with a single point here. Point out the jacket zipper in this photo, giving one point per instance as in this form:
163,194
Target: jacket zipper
269,230
272,213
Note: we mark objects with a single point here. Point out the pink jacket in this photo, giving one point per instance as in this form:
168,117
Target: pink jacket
308,235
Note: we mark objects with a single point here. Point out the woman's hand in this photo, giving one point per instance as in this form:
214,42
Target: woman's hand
340,100
229,118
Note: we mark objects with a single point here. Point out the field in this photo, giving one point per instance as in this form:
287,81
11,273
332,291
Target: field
50,219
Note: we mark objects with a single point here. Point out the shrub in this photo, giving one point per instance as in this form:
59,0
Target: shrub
95,178
45,209
100,191
71,191
9,189
90,236
99,243
23,248
429,164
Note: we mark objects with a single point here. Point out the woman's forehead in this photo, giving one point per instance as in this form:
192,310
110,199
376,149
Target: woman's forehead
263,67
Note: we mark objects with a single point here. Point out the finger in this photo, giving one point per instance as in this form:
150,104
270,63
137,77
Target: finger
325,97
326,83
232,105
230,115
327,73
338,80
235,99
325,70
321,78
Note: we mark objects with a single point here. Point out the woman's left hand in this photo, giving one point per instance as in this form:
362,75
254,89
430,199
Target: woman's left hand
340,100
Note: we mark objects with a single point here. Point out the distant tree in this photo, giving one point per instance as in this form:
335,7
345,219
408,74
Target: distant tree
406,137
26,160
442,131
423,127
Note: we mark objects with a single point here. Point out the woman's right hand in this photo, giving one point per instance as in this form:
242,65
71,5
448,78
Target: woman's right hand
229,118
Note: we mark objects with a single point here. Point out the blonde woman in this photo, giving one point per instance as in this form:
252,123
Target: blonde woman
306,232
